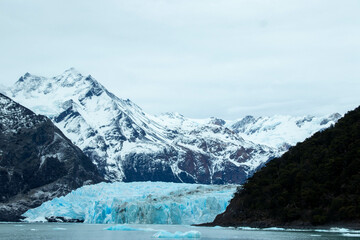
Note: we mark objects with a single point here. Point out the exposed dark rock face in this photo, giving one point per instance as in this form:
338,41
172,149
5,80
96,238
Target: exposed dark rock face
63,220
142,167
37,162
316,183
217,121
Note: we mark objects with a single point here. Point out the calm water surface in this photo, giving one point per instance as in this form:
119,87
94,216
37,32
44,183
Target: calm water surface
61,231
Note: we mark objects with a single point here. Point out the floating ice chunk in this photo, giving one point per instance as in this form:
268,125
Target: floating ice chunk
178,234
351,235
274,229
59,228
122,228
248,228
39,219
218,227
338,230
128,228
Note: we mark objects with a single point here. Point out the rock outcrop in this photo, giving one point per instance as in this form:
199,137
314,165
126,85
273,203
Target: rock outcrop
37,162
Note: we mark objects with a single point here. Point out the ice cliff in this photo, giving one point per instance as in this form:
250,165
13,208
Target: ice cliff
138,202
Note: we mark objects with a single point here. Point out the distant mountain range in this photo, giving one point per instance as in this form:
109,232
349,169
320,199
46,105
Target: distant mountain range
127,144
281,131
37,162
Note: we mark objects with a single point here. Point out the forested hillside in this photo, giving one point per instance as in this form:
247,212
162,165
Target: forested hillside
317,182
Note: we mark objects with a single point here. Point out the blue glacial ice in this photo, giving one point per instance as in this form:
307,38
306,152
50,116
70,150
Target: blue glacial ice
128,228
158,234
178,234
138,202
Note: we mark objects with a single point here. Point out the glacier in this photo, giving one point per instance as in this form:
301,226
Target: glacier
138,202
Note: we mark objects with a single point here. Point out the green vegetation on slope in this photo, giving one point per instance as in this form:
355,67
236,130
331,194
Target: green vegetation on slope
316,182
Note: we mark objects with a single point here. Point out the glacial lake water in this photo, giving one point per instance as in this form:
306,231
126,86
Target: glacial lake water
63,231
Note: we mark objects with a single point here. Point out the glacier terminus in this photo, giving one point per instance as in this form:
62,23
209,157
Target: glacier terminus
138,202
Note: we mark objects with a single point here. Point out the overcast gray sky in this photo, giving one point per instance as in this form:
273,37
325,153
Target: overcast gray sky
201,58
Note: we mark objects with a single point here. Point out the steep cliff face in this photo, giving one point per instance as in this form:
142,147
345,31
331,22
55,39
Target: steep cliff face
315,183
37,162
127,144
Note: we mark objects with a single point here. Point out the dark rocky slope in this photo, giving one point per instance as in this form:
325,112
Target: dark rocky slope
37,162
316,183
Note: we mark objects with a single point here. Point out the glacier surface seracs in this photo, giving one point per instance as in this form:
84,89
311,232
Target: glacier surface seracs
138,202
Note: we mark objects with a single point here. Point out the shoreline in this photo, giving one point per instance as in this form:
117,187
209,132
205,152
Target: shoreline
281,227
262,225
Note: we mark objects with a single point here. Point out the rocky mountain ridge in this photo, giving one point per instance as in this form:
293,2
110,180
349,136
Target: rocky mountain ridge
279,130
127,144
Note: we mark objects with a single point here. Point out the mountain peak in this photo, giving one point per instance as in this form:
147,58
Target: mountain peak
172,115
335,116
71,72
69,77
243,122
22,78
27,74
217,121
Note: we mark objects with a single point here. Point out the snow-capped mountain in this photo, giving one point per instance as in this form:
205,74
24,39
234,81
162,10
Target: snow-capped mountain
37,162
127,144
281,131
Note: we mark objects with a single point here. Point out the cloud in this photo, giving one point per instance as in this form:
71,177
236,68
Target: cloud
200,57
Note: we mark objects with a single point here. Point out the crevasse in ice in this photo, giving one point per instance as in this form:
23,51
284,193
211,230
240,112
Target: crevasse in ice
138,202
